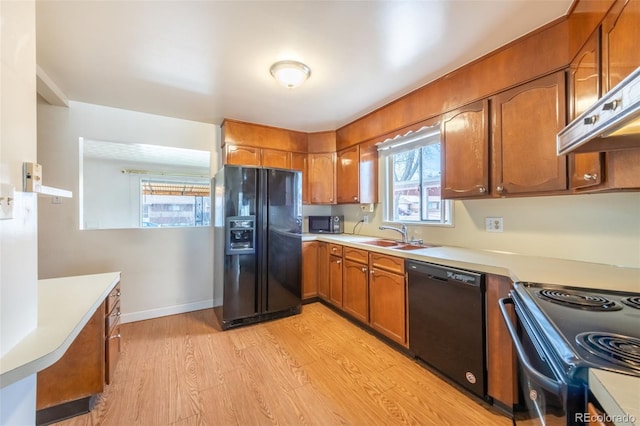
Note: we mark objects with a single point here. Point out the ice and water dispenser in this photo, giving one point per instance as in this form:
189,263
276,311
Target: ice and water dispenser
241,234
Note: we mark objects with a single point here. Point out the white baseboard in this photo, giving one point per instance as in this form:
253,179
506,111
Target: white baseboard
168,310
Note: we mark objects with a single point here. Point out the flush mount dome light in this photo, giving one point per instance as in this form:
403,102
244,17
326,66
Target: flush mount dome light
290,73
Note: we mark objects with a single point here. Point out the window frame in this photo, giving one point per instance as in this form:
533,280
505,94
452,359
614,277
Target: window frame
391,147
168,178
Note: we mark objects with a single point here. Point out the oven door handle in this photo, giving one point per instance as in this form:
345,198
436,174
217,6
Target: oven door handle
544,381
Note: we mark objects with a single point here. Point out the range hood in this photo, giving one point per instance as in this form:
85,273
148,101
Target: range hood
611,124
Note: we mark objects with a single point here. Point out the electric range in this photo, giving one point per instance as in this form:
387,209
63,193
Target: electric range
559,334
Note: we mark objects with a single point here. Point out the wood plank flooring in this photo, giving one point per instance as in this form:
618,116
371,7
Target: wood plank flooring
315,368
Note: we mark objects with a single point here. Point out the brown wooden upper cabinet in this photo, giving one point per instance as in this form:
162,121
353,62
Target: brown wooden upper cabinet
276,159
299,161
322,178
465,151
585,169
242,155
605,60
357,176
525,121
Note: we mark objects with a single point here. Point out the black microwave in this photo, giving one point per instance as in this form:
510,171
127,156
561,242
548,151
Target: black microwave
326,224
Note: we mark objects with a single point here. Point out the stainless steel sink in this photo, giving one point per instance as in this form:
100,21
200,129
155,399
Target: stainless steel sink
395,245
382,243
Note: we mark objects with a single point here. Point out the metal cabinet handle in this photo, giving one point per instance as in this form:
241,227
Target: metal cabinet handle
372,271
611,106
590,120
115,336
590,176
338,261
116,295
333,249
500,188
364,269
482,189
355,198
115,314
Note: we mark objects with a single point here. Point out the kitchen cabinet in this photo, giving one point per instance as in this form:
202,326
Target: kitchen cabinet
324,286
299,162
620,35
586,169
275,158
501,361
242,155
322,178
465,151
112,342
604,61
356,171
309,269
335,275
525,121
348,175
387,297
355,281
69,386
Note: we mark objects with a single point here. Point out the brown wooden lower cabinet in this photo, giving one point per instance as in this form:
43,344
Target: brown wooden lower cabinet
355,284
324,288
388,304
335,280
309,269
69,386
501,362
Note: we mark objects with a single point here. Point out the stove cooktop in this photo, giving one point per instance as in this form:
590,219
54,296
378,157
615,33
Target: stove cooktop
586,327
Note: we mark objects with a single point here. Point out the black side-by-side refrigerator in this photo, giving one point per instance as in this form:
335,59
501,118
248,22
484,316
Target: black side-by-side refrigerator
257,219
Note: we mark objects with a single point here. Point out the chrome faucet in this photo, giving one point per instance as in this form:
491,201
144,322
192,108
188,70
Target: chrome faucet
402,231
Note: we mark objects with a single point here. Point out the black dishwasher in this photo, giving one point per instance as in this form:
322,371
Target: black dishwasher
446,322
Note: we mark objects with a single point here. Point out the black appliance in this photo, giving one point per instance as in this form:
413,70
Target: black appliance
561,332
326,224
447,322
257,244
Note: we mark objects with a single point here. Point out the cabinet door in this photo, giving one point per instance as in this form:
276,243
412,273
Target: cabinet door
324,287
525,121
388,304
242,155
322,183
335,281
368,172
299,162
465,151
309,269
276,159
620,35
348,175
584,90
501,362
355,283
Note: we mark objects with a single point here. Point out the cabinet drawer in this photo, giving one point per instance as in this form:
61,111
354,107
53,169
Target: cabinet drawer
112,352
388,263
335,250
113,298
112,318
357,255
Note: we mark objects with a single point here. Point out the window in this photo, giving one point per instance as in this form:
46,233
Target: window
413,179
173,203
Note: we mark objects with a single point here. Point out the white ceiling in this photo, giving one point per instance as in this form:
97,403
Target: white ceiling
207,60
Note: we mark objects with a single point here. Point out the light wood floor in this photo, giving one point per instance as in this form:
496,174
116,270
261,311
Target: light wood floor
315,368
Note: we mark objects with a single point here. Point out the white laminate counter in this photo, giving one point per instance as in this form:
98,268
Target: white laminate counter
65,305
616,392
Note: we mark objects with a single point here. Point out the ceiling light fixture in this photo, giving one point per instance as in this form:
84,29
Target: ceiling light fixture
290,73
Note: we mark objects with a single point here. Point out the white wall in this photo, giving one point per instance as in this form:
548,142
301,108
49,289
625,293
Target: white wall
18,236
601,228
164,271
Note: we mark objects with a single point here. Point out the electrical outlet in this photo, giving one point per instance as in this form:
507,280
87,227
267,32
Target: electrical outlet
493,224
365,218
56,200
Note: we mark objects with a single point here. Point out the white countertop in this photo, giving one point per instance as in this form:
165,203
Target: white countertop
65,305
616,392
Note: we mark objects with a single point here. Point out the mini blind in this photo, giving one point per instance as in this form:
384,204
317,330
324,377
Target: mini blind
412,140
